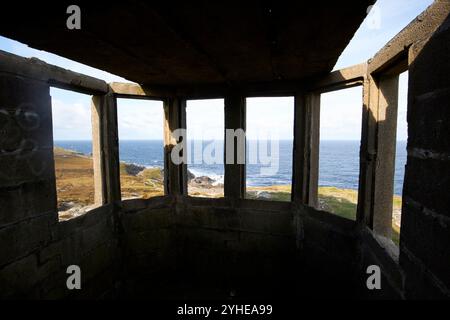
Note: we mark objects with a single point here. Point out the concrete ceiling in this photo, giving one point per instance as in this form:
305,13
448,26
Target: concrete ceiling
194,42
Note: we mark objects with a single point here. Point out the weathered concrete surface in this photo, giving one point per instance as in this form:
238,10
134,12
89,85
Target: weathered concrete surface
38,70
419,29
27,190
235,119
425,254
213,248
381,252
209,42
180,247
36,249
386,138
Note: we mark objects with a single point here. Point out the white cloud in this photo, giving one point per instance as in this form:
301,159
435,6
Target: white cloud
140,119
270,117
71,117
340,114
205,119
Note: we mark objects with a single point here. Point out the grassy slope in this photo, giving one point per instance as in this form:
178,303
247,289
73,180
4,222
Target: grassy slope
75,179
147,184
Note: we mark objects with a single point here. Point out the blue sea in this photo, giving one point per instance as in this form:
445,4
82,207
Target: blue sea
339,162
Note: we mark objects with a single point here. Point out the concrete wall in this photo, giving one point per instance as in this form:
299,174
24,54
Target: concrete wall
35,248
146,236
162,247
243,248
181,247
425,254
189,247
329,259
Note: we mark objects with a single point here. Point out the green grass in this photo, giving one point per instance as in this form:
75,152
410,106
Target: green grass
396,235
339,206
274,196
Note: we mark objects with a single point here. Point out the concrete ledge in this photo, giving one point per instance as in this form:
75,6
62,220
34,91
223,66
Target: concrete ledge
149,219
92,217
136,91
264,205
339,224
341,79
55,76
421,28
384,258
135,205
198,201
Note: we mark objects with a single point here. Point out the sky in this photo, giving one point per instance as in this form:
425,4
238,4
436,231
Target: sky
269,118
205,119
140,119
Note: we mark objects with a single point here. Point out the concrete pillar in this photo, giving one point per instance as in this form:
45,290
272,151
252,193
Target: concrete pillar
105,145
377,153
367,153
313,104
175,175
385,162
306,148
235,118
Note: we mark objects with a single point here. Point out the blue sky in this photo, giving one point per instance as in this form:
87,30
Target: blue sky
139,119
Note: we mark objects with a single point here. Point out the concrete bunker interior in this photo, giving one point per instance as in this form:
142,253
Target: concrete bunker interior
177,246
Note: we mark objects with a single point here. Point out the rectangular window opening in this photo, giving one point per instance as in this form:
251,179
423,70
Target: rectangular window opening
141,148
205,123
72,140
269,147
340,139
400,156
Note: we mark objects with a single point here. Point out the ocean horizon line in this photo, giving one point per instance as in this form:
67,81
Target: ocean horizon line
90,140
339,161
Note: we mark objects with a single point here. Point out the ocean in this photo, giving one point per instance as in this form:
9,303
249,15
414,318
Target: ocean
339,162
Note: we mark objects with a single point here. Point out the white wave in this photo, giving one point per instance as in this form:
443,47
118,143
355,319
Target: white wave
218,178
